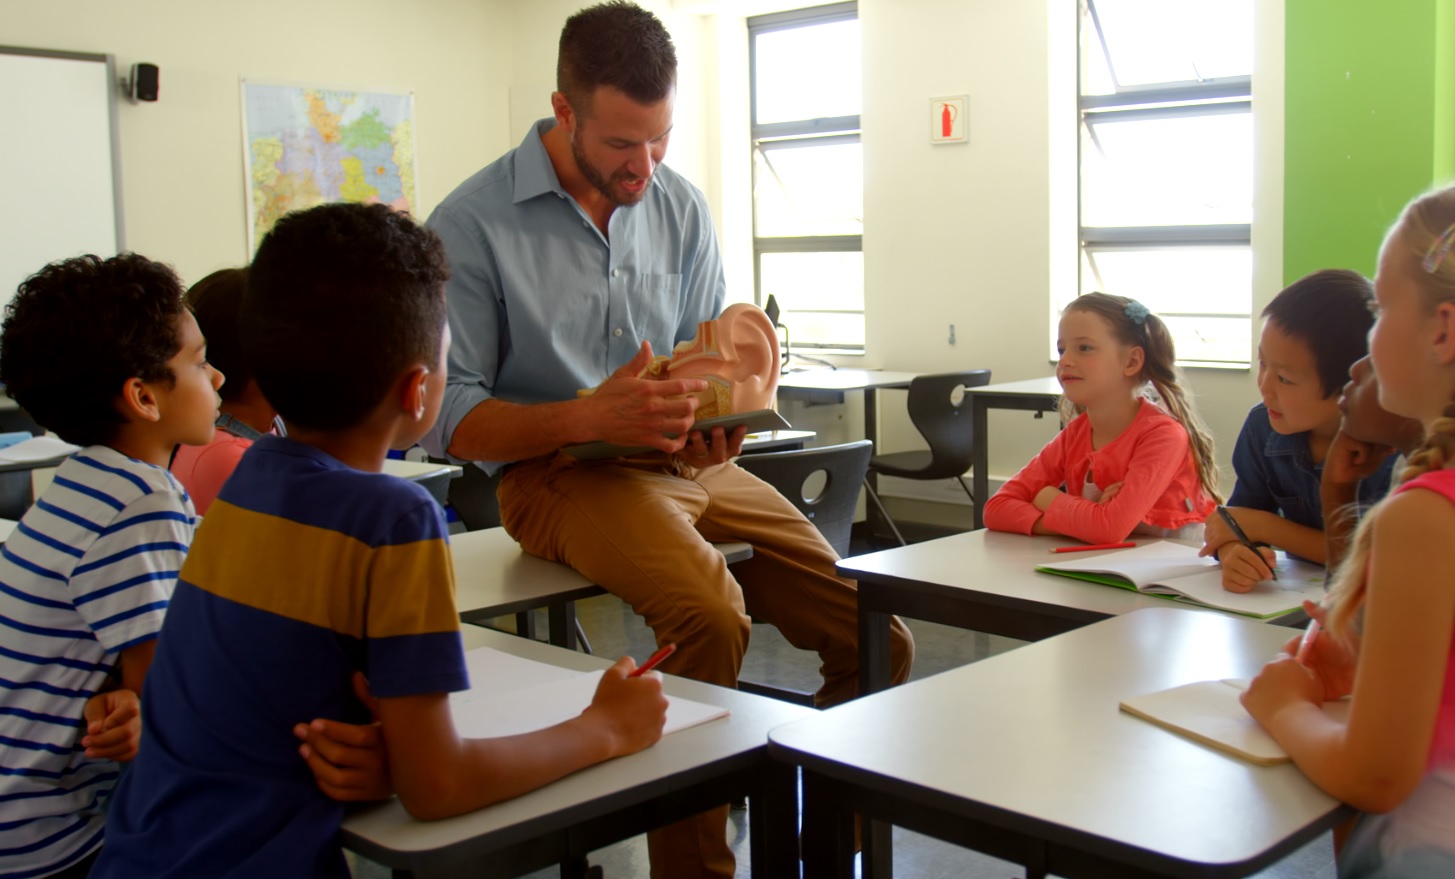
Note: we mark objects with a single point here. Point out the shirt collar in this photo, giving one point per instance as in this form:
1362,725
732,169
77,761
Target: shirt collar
534,173
1295,445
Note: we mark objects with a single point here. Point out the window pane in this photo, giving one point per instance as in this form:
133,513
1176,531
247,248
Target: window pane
809,191
813,289
1161,41
808,72
1190,170
1201,282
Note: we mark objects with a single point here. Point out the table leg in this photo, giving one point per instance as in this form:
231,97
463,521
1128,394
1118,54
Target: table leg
525,624
828,831
773,822
561,623
980,475
876,861
874,659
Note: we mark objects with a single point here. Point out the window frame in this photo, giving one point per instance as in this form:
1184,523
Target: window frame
1164,100
820,131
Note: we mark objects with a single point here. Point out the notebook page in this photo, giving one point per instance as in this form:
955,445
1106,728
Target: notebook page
1296,583
509,695
1144,565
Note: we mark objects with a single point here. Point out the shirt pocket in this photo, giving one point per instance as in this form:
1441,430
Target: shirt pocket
656,309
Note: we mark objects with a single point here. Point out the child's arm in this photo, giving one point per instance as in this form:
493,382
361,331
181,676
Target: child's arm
437,774
1375,761
1263,526
1155,460
348,761
1348,461
113,717
1013,507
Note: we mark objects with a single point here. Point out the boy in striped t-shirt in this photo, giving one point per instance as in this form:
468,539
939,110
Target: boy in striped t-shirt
105,354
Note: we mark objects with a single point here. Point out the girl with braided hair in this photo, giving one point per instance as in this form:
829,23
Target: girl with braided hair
1124,464
1388,639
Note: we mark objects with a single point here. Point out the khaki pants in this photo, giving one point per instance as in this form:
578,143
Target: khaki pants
642,529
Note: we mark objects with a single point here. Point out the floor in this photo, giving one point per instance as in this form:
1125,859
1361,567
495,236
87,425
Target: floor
614,630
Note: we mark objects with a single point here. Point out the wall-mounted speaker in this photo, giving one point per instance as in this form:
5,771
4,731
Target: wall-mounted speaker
146,82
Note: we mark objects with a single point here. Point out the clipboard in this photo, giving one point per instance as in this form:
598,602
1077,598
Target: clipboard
756,421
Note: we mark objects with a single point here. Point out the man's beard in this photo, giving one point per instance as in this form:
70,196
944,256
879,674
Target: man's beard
602,182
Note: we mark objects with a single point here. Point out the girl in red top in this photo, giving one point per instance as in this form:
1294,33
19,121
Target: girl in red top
1124,464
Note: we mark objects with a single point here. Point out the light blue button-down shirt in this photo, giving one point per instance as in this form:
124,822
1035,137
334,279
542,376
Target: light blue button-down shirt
541,304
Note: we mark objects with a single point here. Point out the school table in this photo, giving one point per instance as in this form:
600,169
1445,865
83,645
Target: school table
494,577
1034,395
433,476
1024,756
828,386
985,581
776,441
685,773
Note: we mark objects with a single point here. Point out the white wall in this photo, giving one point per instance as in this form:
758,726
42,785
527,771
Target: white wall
964,234
182,157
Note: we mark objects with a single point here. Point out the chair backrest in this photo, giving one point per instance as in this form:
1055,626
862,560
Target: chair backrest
472,496
940,411
830,508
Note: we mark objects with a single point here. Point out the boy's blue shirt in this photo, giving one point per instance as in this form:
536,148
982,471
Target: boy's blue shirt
1276,472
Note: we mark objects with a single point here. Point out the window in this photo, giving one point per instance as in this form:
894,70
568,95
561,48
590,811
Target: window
1166,178
808,173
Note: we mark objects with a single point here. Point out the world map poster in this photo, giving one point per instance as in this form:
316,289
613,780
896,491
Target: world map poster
309,146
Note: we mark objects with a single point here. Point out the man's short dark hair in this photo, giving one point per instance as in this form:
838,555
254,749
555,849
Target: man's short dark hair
78,329
216,302
341,300
1331,312
618,44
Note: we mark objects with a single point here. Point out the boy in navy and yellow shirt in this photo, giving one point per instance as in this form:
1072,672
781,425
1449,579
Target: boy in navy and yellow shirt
311,567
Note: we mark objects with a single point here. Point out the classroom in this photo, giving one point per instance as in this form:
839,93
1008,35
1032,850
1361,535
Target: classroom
969,249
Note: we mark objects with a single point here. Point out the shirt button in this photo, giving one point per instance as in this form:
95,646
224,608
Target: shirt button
617,332
614,273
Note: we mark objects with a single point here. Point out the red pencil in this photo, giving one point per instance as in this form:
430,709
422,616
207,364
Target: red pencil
1125,544
656,660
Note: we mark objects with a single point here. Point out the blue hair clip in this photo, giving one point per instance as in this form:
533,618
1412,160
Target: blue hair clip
1137,312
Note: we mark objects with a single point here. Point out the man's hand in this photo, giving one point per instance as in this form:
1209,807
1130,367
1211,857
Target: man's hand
630,411
701,451
113,725
1350,460
348,761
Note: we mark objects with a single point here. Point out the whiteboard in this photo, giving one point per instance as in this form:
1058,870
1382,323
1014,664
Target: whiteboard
60,160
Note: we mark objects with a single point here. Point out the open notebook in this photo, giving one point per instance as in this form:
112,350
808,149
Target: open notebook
509,695
1209,712
1174,570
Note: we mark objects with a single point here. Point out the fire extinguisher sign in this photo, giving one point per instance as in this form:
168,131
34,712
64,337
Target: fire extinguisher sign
948,120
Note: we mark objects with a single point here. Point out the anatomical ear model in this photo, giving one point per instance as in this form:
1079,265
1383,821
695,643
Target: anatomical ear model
737,353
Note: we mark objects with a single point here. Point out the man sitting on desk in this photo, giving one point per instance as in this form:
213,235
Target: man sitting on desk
575,256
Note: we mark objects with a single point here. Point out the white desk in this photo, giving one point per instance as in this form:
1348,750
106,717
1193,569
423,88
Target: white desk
494,577
828,386
1034,395
435,477
1025,756
981,580
683,774
776,441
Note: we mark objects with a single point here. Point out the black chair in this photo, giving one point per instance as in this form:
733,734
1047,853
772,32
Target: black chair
936,406
830,507
472,496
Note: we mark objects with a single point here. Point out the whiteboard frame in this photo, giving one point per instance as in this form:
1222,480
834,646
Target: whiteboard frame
111,110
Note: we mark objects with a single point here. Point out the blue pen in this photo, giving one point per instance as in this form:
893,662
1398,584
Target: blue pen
1243,538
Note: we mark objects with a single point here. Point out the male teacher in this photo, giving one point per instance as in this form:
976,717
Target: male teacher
574,257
